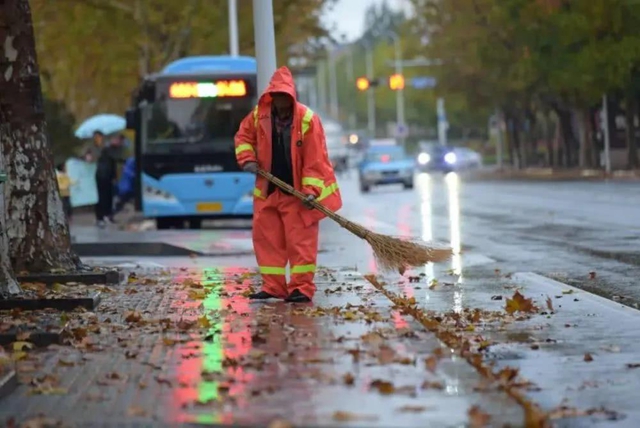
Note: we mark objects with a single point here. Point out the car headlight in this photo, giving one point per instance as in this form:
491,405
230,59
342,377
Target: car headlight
424,158
450,158
152,193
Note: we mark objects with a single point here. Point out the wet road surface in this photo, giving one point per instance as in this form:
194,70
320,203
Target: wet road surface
575,353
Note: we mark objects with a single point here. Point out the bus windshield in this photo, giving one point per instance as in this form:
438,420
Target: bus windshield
194,124
209,123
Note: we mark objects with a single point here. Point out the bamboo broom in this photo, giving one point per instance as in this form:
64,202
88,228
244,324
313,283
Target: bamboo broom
390,253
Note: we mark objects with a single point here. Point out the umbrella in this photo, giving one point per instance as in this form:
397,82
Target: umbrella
105,123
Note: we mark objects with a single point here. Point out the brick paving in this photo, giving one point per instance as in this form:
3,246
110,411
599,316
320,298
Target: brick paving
186,347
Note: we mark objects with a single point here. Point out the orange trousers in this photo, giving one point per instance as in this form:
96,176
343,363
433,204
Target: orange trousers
280,237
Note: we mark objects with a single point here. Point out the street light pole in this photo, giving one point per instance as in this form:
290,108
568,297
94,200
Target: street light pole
350,77
234,49
333,86
400,91
605,133
371,100
265,41
322,86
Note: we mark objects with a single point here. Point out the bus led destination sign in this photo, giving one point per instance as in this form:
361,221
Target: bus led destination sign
218,89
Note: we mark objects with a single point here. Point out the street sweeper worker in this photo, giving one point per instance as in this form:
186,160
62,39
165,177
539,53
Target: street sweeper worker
286,138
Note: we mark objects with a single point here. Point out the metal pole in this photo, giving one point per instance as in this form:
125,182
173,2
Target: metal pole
499,134
442,122
400,92
322,86
333,86
352,98
265,41
371,100
234,49
605,133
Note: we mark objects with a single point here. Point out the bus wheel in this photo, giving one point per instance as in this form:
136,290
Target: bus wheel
195,223
164,223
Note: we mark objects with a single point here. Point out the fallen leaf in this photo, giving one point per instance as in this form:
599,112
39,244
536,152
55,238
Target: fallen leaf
519,303
341,416
633,365
588,357
20,346
549,304
592,275
412,409
431,385
133,316
137,411
204,322
568,291
431,363
168,342
280,423
384,387
348,379
496,297
478,418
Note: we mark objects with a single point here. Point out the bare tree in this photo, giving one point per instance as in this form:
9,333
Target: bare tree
36,227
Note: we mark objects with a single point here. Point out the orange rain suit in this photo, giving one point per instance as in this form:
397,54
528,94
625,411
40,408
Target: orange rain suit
284,230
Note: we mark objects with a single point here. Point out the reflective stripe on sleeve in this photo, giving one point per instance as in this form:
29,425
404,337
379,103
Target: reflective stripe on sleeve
244,147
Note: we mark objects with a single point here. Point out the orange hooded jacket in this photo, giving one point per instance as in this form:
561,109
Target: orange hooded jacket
312,171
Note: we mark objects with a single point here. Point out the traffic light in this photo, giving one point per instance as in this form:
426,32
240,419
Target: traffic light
362,83
396,82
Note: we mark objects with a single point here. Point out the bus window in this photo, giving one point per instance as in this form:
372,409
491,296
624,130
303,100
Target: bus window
209,124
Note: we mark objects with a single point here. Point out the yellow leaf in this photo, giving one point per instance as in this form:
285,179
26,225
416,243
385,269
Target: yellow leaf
204,322
17,356
196,294
519,303
21,346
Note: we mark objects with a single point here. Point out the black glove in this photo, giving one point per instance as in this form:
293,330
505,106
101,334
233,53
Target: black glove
308,200
251,167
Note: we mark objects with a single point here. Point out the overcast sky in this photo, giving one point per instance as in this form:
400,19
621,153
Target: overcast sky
348,15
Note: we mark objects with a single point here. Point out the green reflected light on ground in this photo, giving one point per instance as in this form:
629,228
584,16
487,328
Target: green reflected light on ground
212,351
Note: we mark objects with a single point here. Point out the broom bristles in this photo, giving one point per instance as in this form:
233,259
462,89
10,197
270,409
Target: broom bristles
395,254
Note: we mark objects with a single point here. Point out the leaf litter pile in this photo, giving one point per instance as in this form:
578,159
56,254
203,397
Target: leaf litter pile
148,335
463,330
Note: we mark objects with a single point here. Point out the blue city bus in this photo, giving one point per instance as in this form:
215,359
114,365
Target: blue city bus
185,118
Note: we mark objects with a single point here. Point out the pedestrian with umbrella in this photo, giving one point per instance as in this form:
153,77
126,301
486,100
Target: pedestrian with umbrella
106,158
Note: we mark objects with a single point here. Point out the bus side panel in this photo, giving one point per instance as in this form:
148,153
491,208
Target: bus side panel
198,194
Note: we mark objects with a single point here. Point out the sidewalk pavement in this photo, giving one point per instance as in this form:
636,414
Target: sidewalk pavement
575,356
187,347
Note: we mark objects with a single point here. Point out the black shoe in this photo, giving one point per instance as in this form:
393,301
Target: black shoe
261,295
297,297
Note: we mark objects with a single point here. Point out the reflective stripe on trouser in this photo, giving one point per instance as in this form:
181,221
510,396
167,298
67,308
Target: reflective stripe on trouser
279,236
270,247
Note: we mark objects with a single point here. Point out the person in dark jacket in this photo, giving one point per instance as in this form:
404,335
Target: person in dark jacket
105,178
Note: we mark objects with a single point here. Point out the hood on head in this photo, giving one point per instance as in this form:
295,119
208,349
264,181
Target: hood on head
281,81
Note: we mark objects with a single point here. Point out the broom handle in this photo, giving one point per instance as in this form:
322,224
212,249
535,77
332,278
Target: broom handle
315,204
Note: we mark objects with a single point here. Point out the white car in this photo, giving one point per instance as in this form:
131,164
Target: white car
467,158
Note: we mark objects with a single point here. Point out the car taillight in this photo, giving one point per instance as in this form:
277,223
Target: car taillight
384,158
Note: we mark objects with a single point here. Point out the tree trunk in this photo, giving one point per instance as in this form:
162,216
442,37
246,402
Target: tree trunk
37,229
8,284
